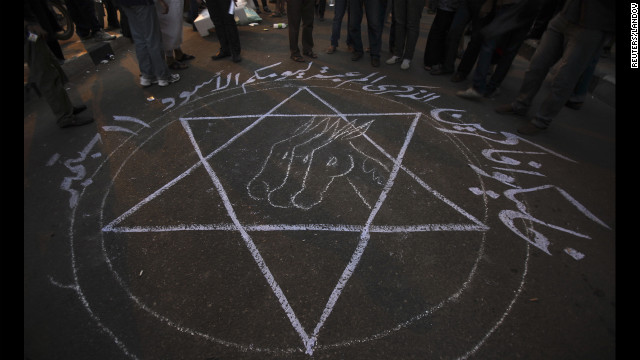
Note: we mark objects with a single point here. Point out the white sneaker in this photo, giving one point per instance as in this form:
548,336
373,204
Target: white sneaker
470,93
392,60
144,81
172,78
405,64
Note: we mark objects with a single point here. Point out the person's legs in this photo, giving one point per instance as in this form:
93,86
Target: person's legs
582,86
581,45
374,27
308,8
512,42
483,65
456,31
355,27
400,33
77,11
475,43
217,13
112,14
145,32
414,15
436,40
547,54
294,16
336,26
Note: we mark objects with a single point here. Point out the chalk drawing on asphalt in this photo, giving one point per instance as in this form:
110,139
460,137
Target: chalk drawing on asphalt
310,149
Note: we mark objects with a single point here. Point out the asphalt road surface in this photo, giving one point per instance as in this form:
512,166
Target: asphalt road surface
270,209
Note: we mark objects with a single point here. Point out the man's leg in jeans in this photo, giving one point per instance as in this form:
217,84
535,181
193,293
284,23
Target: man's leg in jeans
512,43
547,54
581,46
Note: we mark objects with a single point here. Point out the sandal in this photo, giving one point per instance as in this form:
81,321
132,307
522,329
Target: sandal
186,57
177,65
297,58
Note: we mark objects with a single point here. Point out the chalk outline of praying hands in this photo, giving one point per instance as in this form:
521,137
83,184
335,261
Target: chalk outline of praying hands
284,179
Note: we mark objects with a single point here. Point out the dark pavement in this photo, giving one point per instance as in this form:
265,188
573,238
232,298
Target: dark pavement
270,209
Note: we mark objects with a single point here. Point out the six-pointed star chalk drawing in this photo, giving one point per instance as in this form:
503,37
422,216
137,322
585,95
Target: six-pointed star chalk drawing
328,127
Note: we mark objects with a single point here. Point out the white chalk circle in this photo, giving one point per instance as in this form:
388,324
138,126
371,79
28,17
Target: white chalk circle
304,223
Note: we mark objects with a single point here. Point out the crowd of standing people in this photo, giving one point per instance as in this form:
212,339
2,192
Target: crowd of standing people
571,34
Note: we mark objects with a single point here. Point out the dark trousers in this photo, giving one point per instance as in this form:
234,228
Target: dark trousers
434,51
372,9
321,5
509,44
407,14
468,11
83,14
49,78
225,26
341,7
300,12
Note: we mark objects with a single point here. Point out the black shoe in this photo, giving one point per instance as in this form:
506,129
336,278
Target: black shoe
266,9
236,58
75,121
458,76
509,110
529,129
575,105
375,62
310,54
357,56
78,109
220,55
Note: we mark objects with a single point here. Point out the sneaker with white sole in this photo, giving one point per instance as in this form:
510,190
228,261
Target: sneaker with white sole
405,64
145,81
172,78
393,60
101,35
470,93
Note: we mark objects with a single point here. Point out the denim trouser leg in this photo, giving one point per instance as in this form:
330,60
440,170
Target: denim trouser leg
484,64
581,45
339,9
147,38
582,87
456,30
512,42
572,47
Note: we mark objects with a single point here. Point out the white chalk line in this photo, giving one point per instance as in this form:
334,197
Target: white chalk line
244,348
275,287
193,167
309,343
364,239
299,227
112,225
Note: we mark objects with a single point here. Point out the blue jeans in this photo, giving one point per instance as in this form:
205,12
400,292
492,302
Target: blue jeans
372,8
339,9
468,11
571,47
147,38
510,43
